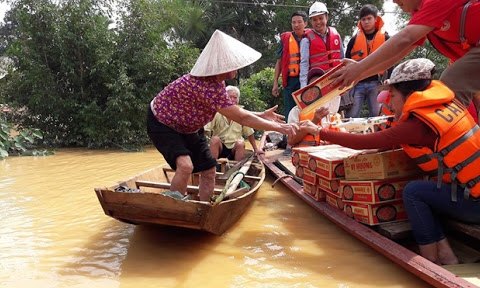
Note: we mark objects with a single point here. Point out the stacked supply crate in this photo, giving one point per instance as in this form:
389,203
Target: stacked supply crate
373,184
326,168
300,157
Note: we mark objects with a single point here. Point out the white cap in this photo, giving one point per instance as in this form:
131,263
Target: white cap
317,8
223,54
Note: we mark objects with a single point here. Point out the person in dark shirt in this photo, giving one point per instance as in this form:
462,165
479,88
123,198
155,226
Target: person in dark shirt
369,37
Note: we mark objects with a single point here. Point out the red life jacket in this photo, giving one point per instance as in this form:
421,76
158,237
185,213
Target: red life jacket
324,55
290,57
460,31
456,156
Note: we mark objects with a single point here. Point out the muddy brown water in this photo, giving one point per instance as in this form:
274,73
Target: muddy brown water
54,233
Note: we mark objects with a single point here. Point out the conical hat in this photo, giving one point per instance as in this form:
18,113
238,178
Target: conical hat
223,54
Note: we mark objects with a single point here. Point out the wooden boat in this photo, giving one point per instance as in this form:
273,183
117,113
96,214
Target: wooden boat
141,199
394,241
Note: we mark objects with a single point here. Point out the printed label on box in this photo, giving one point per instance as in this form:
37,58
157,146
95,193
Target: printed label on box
314,192
319,92
309,177
329,185
374,214
373,191
334,201
329,163
383,165
300,154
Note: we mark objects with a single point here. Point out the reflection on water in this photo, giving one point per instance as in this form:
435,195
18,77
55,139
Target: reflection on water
53,233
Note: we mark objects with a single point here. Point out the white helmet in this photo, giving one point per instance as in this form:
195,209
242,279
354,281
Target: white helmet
317,8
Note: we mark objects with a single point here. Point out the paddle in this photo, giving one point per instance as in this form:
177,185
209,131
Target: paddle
235,167
233,183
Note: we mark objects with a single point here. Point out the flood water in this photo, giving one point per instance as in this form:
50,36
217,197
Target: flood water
54,233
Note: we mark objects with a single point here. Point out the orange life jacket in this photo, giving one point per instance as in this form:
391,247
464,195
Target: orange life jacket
386,110
290,57
362,48
456,156
460,31
309,139
324,55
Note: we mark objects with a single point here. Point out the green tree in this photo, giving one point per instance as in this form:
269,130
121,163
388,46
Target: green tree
84,80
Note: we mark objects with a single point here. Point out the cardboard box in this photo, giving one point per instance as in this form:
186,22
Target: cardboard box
374,214
329,163
309,177
314,192
300,154
319,92
383,165
373,191
329,185
299,170
334,201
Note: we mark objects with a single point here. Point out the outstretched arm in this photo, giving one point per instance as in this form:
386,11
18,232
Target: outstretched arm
391,52
247,118
270,114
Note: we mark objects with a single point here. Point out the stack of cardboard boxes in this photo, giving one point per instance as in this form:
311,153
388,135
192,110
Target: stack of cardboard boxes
372,189
321,168
367,187
300,159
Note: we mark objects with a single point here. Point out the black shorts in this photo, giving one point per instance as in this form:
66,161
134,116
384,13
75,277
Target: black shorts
226,153
172,144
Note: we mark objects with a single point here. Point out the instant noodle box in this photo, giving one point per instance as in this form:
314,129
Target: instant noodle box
319,92
374,214
300,154
383,165
314,192
329,185
373,191
309,177
334,201
329,163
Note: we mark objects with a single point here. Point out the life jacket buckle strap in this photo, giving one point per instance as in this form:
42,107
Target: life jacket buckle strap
453,194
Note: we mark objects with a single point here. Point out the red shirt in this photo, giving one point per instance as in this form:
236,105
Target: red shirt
473,112
433,13
412,131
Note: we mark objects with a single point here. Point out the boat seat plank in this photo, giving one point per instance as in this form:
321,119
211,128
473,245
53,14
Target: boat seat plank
161,185
469,229
396,230
401,230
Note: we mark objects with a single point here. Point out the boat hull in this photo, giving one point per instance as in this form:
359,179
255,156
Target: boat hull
147,205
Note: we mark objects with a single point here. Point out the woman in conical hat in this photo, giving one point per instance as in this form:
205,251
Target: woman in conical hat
179,112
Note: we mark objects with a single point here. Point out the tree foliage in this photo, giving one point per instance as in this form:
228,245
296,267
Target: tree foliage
84,71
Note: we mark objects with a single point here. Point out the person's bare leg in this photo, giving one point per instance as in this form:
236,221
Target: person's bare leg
216,147
207,184
430,252
182,174
446,256
239,150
